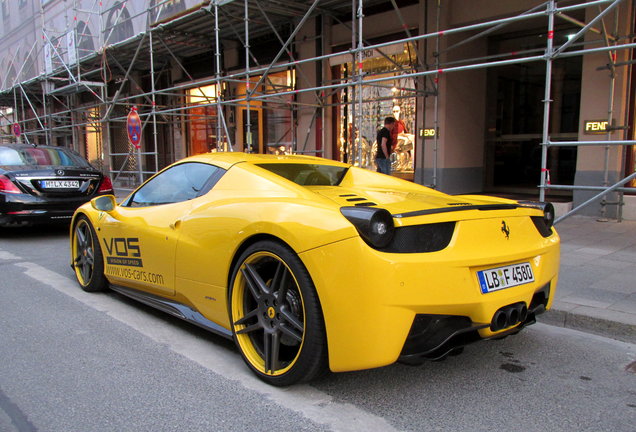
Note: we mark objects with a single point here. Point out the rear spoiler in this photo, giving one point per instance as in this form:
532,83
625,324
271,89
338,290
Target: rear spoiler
482,207
543,206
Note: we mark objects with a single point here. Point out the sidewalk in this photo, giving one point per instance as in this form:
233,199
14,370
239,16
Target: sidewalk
597,284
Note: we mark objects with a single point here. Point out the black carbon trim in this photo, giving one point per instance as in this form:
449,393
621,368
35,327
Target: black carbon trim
365,204
482,207
173,308
421,238
539,223
433,337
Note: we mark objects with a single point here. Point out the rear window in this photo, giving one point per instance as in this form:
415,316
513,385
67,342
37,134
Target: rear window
41,157
308,174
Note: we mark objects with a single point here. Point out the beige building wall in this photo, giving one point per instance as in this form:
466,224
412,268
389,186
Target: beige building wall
595,105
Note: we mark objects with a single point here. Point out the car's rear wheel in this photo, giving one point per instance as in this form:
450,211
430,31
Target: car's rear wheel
276,316
87,257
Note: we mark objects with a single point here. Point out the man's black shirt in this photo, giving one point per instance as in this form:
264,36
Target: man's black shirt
383,133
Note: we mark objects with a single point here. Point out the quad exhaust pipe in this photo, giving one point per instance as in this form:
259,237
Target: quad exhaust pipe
509,316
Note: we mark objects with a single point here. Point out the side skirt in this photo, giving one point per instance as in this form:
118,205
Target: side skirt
173,308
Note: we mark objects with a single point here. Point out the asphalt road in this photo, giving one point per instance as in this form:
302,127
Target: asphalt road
73,361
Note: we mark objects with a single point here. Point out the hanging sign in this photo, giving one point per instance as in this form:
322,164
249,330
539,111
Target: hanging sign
17,130
133,126
70,47
48,60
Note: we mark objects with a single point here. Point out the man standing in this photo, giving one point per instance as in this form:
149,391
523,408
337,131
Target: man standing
385,146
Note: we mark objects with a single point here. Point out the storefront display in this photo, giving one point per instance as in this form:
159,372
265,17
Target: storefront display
392,98
202,121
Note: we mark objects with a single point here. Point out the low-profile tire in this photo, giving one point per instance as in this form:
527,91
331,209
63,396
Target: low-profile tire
88,262
276,317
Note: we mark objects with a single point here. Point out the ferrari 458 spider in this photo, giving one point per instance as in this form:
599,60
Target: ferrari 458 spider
313,265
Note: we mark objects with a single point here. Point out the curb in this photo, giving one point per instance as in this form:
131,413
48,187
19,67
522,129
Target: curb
602,322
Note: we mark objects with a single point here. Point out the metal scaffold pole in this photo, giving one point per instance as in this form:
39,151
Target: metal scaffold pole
360,77
549,52
436,100
247,142
217,71
610,114
154,103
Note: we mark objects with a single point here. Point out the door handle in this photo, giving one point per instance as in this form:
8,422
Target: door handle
176,224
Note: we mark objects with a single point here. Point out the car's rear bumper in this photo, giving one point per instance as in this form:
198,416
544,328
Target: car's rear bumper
370,299
18,209
433,337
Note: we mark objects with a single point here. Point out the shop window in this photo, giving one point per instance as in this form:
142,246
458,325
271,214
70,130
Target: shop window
395,97
279,115
271,120
252,141
201,120
93,138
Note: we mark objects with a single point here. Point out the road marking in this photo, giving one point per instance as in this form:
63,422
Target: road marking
7,256
313,404
19,419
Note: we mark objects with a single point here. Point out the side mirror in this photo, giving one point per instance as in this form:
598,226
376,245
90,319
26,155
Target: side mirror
104,203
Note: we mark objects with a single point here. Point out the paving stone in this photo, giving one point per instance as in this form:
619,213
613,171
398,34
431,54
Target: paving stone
597,280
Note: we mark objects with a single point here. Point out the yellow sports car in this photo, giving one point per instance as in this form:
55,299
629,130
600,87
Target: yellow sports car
314,265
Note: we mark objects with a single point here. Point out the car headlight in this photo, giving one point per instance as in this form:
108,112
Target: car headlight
375,225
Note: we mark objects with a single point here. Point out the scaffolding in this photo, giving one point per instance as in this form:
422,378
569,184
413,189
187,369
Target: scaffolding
94,85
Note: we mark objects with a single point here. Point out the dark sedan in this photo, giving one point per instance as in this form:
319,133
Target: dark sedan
45,184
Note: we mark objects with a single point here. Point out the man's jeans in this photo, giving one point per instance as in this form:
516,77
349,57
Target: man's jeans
384,166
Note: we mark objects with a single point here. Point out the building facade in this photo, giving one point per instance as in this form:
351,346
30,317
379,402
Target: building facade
519,98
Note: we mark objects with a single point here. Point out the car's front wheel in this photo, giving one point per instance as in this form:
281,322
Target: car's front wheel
276,317
87,257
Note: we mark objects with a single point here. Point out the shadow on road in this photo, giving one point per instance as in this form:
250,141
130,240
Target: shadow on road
35,231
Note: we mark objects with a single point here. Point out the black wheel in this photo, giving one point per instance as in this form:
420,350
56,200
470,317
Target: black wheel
87,257
276,316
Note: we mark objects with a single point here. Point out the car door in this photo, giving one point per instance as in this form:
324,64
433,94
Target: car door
139,239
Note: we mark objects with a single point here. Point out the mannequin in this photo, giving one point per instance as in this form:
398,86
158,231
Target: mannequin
399,128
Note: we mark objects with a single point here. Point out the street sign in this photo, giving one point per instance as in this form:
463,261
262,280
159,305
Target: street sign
133,126
17,130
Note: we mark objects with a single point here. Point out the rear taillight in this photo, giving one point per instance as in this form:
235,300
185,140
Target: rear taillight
106,186
7,185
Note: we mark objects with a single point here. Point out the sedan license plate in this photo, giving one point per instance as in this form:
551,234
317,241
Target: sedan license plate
60,184
499,278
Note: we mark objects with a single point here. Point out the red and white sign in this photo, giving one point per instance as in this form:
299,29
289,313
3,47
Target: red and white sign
133,126
17,130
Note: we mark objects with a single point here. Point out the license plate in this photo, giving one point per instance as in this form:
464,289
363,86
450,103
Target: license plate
499,278
60,184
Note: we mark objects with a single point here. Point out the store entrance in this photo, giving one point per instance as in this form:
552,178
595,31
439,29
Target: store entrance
514,117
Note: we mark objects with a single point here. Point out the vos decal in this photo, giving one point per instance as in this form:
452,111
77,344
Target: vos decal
123,251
